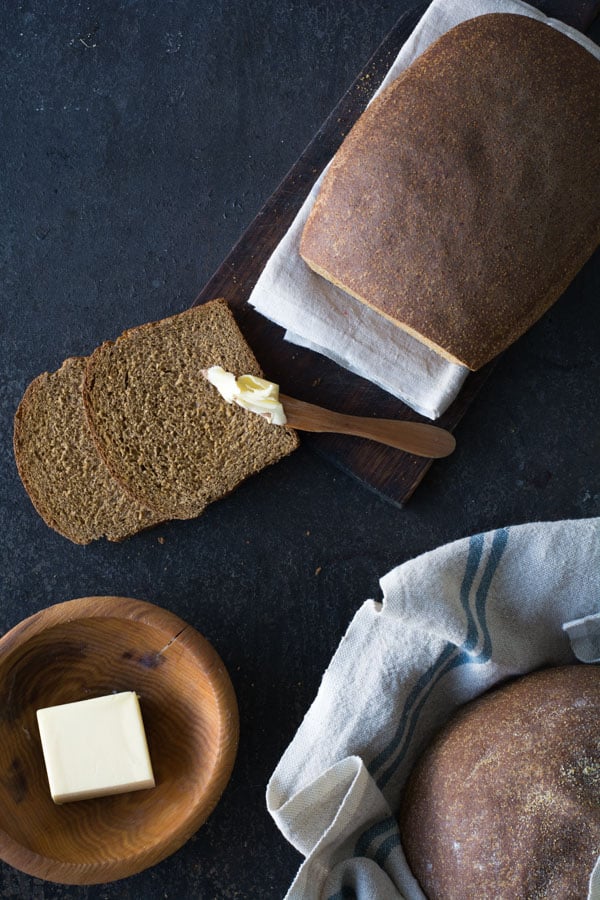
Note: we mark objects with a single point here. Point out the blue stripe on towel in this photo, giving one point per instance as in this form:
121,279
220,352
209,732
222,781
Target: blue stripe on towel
498,547
345,893
430,676
473,560
476,649
377,830
446,661
411,708
386,847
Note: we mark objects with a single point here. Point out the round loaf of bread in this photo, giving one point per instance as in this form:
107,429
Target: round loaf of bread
505,802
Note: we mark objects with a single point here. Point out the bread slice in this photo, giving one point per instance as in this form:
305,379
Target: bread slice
163,431
59,465
465,198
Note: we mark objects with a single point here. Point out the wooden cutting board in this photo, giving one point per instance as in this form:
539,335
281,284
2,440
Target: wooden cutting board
307,375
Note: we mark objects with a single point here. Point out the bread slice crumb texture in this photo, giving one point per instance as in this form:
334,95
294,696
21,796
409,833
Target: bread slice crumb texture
164,432
67,481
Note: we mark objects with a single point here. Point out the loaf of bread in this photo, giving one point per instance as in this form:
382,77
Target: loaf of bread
465,198
59,465
505,802
163,431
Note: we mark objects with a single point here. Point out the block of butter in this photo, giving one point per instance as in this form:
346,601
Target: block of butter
95,747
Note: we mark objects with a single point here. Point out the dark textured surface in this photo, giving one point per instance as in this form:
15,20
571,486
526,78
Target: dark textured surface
138,141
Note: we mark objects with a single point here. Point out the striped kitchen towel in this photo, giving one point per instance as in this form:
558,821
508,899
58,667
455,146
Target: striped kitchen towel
450,624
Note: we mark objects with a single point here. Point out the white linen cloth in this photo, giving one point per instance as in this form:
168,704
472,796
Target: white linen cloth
451,624
324,318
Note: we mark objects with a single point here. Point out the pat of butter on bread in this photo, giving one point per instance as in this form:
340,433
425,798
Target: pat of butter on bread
250,392
95,747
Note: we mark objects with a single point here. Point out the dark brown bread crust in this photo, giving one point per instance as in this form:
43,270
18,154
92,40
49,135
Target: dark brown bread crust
465,199
505,803
60,468
164,432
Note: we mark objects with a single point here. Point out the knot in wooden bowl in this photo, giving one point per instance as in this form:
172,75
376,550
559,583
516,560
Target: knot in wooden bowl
86,648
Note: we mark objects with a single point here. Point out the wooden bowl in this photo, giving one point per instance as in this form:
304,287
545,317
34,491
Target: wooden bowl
90,647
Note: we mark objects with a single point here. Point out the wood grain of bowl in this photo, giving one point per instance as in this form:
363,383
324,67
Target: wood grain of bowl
86,648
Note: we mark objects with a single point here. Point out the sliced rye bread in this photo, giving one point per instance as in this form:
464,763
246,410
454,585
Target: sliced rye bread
163,431
69,485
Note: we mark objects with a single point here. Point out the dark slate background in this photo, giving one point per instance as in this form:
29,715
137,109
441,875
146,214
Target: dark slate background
138,140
